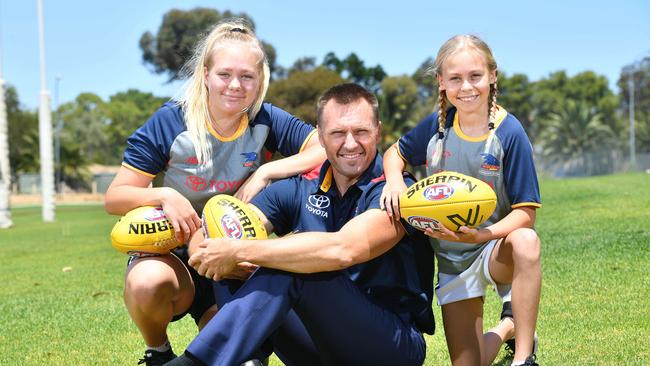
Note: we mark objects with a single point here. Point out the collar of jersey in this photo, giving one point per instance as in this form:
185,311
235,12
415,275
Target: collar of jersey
326,176
243,123
500,116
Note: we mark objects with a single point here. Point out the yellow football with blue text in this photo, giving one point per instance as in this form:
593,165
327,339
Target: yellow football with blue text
449,198
144,231
225,216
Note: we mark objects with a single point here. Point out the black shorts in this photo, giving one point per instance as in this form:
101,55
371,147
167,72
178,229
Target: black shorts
203,292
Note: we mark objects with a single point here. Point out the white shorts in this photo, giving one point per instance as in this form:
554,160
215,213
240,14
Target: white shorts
472,282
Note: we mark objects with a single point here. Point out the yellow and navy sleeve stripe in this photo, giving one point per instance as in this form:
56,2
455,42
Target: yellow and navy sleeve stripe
526,204
399,152
130,167
307,139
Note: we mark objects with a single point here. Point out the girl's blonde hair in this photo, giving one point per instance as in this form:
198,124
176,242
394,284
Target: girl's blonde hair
448,49
193,97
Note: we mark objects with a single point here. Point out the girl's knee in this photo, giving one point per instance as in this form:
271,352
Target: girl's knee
152,283
526,245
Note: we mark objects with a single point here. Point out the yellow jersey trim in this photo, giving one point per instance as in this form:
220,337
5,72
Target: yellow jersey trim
500,116
527,204
399,152
138,170
327,180
307,139
243,124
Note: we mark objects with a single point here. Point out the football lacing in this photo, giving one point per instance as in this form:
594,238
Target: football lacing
164,242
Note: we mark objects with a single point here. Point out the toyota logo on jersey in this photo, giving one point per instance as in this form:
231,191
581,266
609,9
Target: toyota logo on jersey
319,201
197,184
438,192
231,227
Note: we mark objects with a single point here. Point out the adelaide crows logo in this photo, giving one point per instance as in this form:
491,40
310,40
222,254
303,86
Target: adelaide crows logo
490,162
250,158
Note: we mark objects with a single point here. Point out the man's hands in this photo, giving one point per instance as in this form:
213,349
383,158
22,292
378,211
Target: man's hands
216,259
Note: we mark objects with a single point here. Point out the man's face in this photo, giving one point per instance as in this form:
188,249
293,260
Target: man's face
349,135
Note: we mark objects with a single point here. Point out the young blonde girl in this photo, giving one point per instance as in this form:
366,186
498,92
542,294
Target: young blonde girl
473,135
208,141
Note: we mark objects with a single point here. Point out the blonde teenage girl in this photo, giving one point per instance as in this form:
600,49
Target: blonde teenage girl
209,141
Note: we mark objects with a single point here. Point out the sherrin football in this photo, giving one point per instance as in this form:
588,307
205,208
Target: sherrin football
450,198
227,217
144,231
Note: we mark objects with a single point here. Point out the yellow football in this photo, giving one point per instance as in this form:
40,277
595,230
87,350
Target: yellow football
227,217
450,198
144,231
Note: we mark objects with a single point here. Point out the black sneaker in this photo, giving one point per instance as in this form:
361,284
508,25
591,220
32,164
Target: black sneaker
506,312
188,360
530,360
254,362
510,345
155,358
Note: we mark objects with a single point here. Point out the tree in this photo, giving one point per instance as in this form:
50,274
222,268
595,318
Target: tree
23,134
551,94
577,138
426,80
303,64
515,95
398,106
352,68
299,92
83,138
640,74
126,111
177,36
554,94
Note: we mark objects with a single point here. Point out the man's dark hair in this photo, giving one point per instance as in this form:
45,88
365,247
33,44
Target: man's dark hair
345,94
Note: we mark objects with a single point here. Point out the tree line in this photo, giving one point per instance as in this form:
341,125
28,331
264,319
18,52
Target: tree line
568,118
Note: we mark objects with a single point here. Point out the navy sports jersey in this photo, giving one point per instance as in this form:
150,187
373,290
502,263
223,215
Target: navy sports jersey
507,167
401,279
162,149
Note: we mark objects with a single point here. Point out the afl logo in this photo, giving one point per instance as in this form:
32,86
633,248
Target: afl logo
155,214
197,184
231,227
319,201
438,192
422,223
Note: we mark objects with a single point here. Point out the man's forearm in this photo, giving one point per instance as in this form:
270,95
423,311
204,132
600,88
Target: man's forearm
300,253
361,239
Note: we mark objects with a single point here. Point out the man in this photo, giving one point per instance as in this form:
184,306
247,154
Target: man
360,288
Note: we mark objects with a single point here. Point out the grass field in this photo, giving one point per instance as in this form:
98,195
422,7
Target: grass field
595,306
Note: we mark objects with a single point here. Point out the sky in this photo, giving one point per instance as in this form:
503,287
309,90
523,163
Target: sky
92,46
